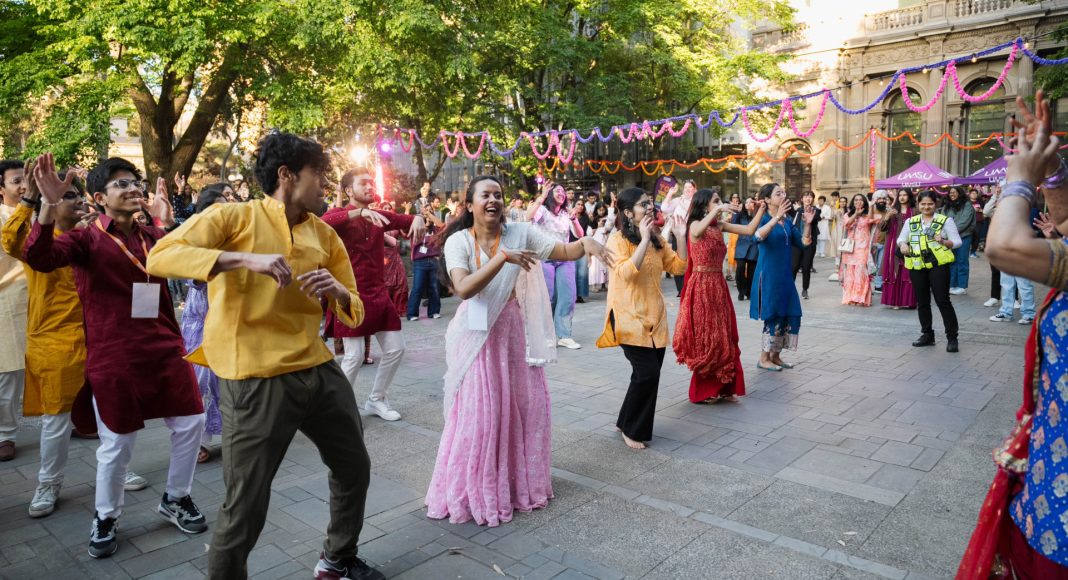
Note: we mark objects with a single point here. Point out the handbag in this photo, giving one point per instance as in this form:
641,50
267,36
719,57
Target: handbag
846,245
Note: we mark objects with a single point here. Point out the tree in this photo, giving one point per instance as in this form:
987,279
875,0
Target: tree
176,61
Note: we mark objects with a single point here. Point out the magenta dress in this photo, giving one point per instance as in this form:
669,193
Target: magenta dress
897,287
495,452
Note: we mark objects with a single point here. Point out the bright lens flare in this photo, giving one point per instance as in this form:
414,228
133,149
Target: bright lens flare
380,184
359,154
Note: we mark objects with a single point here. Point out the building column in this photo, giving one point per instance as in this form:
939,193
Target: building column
935,122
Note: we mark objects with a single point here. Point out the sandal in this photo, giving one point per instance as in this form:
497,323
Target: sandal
710,401
204,455
368,361
775,368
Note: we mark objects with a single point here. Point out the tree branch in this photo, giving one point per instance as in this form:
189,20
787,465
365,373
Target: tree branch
207,111
181,96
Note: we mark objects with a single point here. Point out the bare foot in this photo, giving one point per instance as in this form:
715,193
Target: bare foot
710,401
632,443
616,429
729,399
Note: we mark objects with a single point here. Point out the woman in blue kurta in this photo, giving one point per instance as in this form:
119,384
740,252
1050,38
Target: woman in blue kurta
774,296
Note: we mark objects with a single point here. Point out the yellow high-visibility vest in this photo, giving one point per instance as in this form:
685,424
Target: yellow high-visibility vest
919,244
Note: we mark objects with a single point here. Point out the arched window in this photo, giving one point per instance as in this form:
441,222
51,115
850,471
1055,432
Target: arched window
902,154
982,119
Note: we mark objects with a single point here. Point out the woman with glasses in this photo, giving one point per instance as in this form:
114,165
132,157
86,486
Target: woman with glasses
635,317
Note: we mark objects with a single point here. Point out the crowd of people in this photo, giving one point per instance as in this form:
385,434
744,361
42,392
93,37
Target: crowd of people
93,265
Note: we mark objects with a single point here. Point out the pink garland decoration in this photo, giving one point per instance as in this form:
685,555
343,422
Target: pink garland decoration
445,145
951,69
871,154
778,122
934,99
463,143
671,128
571,151
819,116
411,139
534,148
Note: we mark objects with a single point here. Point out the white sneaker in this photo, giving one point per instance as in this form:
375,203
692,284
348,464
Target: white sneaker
1016,305
44,500
568,343
1025,320
991,302
413,318
999,317
382,409
134,482
833,277
435,316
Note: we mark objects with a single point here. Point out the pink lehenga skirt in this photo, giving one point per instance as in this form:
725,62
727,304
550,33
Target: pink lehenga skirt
495,451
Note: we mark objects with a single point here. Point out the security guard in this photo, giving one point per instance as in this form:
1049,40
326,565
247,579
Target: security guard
927,242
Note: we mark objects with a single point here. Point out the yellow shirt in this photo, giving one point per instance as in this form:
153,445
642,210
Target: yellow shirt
55,333
253,328
635,313
13,300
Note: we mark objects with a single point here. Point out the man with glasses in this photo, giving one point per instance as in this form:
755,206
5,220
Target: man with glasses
135,370
12,313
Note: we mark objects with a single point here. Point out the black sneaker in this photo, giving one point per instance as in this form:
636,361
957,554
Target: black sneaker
102,541
925,340
183,513
347,569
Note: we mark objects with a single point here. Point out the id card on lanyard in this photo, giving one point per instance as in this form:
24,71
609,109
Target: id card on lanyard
144,301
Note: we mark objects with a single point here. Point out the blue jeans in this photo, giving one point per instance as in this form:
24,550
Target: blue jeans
582,277
879,249
1009,285
958,270
560,278
424,277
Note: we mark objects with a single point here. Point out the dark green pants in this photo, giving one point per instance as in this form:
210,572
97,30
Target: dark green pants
260,418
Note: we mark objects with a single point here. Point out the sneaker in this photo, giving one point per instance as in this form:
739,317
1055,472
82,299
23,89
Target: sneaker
568,343
346,569
134,482
183,513
999,317
435,316
973,255
382,409
877,290
102,542
991,302
1016,306
1025,320
833,277
958,291
44,500
413,318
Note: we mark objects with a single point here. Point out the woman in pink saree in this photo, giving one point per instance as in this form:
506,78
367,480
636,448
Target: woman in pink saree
495,451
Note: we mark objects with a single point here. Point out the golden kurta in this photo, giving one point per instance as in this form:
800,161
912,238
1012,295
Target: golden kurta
12,307
55,335
635,313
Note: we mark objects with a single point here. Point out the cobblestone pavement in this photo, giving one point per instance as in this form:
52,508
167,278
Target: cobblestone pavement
868,460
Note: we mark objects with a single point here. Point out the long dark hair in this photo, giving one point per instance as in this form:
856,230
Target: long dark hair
962,198
699,206
550,200
465,220
766,190
625,200
852,209
911,202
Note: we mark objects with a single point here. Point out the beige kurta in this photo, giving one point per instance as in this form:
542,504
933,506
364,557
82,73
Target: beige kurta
13,307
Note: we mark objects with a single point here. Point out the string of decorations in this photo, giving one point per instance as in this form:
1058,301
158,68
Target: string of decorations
627,133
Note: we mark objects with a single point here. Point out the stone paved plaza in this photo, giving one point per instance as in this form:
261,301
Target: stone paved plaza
868,460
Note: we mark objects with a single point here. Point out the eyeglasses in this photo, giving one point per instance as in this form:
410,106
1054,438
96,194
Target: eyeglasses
124,184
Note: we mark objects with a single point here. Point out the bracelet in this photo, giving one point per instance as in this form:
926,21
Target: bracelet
50,204
1022,189
1058,179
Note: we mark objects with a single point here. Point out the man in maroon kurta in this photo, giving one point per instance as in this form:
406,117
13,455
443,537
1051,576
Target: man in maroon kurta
362,231
134,368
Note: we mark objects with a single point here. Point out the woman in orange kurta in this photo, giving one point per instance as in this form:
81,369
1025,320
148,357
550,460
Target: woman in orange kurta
636,318
55,346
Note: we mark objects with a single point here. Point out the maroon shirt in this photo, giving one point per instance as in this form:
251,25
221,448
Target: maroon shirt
134,366
365,244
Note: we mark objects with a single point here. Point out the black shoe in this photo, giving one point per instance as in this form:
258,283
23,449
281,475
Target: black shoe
741,297
951,345
580,300
183,513
925,340
102,541
878,290
348,568
804,294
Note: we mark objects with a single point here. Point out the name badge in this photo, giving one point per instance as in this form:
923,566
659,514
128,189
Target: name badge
422,249
145,303
477,314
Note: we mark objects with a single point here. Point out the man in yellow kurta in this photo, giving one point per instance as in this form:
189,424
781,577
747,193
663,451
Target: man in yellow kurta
55,344
12,313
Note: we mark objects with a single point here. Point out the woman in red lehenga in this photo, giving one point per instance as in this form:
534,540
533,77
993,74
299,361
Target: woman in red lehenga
706,332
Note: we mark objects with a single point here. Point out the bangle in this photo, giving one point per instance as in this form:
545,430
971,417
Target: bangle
1058,179
1022,189
29,202
50,204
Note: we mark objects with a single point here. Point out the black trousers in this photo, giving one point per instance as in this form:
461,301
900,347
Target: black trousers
743,275
803,261
639,406
926,283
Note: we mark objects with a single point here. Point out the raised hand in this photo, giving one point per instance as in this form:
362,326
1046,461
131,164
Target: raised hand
374,217
645,227
418,229
809,214
1033,157
1043,223
179,183
784,208
678,226
320,282
596,249
159,206
50,185
273,265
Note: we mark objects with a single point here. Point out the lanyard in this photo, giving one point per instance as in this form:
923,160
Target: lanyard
478,249
125,250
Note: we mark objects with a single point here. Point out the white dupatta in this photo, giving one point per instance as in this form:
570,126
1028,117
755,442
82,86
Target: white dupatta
462,345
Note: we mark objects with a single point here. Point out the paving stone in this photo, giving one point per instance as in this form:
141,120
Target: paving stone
897,453
928,459
450,566
733,556
700,485
842,466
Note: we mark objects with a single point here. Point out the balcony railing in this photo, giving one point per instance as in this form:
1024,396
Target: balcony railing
895,19
965,8
778,41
